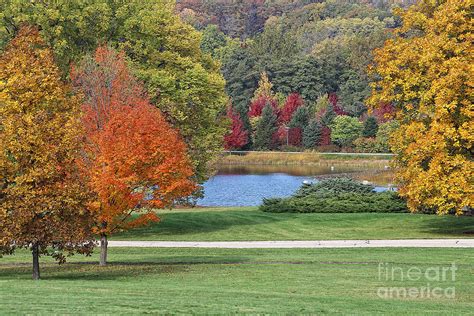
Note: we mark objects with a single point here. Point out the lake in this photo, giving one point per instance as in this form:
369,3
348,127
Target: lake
237,185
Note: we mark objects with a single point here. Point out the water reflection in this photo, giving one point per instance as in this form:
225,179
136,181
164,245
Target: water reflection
248,185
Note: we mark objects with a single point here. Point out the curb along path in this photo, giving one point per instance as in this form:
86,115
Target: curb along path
410,243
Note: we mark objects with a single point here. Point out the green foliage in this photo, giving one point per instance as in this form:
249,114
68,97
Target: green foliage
337,195
212,40
370,127
334,185
312,134
384,133
328,116
384,202
266,128
345,130
368,145
300,118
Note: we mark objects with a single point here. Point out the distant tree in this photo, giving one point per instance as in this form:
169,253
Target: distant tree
212,40
134,161
257,105
292,103
300,118
264,88
238,136
266,128
384,134
370,127
327,116
384,112
312,134
345,129
325,136
42,194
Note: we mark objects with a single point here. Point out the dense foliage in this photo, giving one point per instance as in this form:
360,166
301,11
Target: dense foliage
339,195
426,72
185,84
42,193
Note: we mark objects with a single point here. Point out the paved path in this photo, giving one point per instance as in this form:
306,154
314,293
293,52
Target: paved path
411,243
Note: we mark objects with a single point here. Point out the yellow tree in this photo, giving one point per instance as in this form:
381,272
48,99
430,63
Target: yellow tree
42,200
427,71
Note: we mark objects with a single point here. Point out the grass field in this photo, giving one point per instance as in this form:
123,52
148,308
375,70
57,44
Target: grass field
218,281
223,224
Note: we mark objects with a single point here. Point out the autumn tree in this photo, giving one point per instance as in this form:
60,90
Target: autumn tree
292,103
42,196
185,84
237,137
426,72
135,161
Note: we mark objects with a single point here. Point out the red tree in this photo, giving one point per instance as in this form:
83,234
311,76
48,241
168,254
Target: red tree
334,100
256,106
293,101
325,136
134,160
384,112
238,135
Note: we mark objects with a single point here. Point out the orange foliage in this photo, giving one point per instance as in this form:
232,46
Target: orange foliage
135,161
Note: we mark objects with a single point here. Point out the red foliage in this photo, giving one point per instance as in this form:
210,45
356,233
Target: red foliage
334,100
325,136
295,136
384,112
293,102
134,160
256,106
238,136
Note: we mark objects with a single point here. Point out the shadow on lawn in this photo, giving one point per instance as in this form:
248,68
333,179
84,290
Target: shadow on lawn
462,226
184,223
91,271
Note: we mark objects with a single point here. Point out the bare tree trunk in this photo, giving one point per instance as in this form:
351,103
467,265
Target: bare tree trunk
36,268
103,249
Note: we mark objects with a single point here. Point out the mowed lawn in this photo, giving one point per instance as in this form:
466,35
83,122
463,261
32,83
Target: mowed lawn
226,281
225,224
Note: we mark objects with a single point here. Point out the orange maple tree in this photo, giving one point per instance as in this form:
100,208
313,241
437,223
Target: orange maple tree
134,160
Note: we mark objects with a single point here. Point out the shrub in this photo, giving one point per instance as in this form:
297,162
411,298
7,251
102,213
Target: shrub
383,202
338,195
334,185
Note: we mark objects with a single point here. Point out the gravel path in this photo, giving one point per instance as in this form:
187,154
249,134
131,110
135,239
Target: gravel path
411,243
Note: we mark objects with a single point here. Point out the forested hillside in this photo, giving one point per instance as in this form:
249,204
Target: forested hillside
311,60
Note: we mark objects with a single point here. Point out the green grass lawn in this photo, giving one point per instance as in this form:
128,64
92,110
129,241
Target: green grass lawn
218,281
223,224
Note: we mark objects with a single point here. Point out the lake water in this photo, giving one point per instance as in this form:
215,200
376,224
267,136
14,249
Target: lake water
249,185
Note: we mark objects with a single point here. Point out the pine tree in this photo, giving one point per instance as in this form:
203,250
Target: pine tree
370,127
266,128
312,134
300,118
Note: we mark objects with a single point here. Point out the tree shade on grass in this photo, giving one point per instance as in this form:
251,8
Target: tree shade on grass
240,224
229,281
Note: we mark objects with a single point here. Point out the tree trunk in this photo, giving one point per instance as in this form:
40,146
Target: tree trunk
36,268
103,249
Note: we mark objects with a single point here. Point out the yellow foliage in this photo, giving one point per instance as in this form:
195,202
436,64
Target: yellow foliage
426,70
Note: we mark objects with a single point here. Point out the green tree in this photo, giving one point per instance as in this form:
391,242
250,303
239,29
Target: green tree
384,133
266,128
345,129
370,127
300,118
212,40
312,134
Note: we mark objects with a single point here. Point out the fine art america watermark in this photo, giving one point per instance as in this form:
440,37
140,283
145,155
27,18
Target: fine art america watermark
436,282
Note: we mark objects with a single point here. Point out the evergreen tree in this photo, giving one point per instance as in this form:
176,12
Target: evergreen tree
328,116
266,127
370,127
312,134
300,118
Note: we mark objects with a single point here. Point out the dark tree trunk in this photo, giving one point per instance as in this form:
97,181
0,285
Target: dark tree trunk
103,249
36,268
